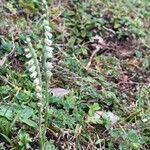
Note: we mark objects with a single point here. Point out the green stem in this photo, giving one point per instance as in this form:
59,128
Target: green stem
46,93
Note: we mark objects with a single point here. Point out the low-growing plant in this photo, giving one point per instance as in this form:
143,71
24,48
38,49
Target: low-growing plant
127,139
24,140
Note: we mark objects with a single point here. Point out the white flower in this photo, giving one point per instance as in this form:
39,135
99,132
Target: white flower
44,2
29,55
49,65
49,55
39,95
39,104
38,88
27,50
48,34
33,74
49,51
48,42
28,39
49,73
32,68
30,62
47,28
36,82
46,22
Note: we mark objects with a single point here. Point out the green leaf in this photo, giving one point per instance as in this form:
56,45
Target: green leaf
93,108
6,138
50,146
26,113
7,111
133,137
5,125
30,123
5,90
23,96
24,139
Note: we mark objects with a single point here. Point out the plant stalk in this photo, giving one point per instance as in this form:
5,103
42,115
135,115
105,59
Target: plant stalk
46,75
40,106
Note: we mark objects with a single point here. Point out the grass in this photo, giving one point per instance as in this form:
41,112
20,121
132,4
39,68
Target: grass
115,82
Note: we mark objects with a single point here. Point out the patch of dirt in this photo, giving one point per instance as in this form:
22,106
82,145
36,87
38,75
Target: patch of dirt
122,49
15,63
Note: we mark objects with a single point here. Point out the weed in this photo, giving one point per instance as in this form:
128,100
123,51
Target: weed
24,140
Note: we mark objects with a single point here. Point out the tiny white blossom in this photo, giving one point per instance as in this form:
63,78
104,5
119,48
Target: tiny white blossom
33,74
45,3
49,52
49,55
48,34
27,50
49,49
38,95
48,42
47,28
49,73
145,120
32,68
29,55
46,22
28,39
36,82
49,65
30,62
38,88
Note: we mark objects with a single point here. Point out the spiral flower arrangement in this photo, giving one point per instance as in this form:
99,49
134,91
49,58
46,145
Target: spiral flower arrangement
41,86
35,74
34,69
48,48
